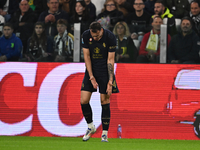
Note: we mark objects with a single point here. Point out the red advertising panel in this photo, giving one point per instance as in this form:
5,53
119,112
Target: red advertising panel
156,101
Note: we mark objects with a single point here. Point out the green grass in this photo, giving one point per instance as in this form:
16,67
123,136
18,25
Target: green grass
57,143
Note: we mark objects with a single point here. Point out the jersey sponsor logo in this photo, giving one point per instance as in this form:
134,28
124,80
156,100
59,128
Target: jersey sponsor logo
96,50
104,44
112,47
90,43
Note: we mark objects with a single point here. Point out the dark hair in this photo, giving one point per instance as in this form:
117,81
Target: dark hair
85,15
35,41
162,2
50,0
95,26
186,18
8,25
195,1
26,0
135,0
62,21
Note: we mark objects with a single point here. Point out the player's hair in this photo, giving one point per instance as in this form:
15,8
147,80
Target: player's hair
126,28
62,21
8,25
95,26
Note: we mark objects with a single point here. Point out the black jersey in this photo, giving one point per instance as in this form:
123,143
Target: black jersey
99,50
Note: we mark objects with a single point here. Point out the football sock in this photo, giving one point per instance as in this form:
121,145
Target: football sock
87,112
105,132
105,116
90,125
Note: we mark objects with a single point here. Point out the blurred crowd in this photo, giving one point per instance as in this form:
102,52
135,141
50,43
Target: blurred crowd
43,30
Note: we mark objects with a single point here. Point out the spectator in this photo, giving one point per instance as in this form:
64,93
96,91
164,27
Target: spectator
126,50
125,6
50,17
139,21
179,8
67,6
40,47
64,42
10,45
23,21
7,8
164,12
81,15
184,46
195,16
150,49
91,9
110,15
149,6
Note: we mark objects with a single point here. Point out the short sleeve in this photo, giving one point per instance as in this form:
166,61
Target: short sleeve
112,43
84,40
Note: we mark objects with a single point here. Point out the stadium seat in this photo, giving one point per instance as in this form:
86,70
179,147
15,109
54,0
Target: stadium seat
2,21
137,44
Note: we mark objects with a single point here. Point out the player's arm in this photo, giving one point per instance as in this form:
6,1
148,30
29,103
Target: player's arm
88,64
110,63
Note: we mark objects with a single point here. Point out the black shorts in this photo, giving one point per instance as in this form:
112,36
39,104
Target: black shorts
102,84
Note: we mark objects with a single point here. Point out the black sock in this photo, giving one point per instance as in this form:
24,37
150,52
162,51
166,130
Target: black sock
105,116
87,112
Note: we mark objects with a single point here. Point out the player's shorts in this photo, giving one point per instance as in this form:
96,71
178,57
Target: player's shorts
102,84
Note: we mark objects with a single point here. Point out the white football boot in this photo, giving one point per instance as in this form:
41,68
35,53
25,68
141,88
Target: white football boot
89,133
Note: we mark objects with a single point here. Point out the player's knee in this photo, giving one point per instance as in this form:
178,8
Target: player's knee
105,101
85,97
84,101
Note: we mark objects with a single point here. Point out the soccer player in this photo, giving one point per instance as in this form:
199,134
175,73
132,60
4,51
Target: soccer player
99,46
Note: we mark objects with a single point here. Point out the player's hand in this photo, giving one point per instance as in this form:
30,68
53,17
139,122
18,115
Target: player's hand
94,82
109,88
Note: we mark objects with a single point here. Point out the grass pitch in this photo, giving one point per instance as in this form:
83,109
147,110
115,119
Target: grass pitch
58,143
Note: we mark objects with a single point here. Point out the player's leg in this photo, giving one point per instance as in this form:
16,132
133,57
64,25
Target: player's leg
87,113
105,116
